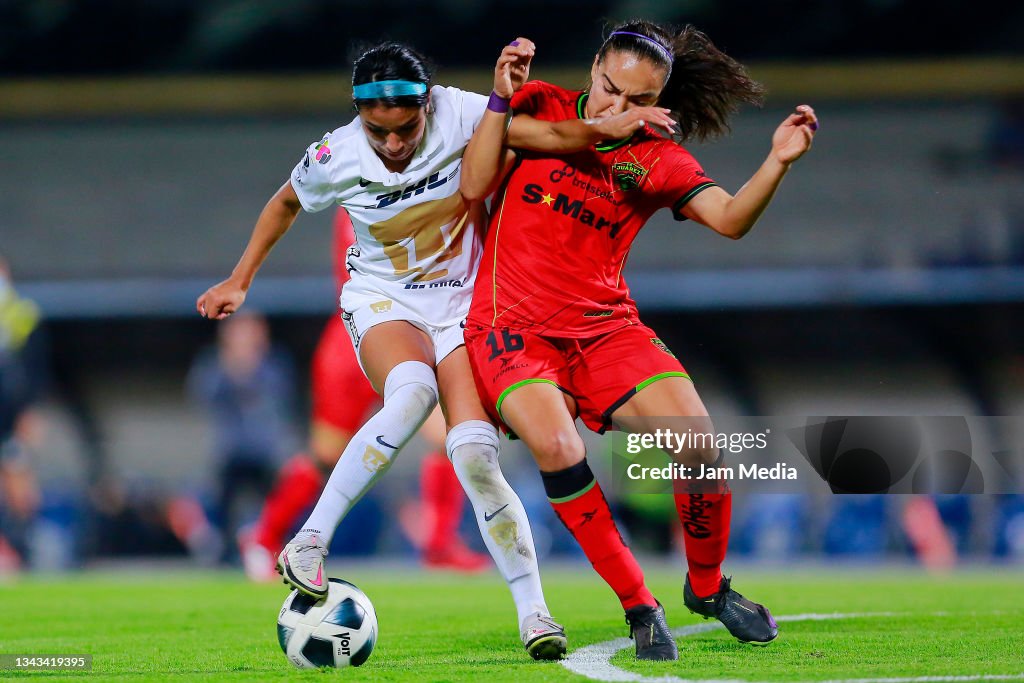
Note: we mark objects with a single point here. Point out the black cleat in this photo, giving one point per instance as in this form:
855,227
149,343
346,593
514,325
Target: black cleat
748,621
649,630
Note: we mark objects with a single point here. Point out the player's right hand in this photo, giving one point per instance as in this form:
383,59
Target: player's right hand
513,67
221,300
625,124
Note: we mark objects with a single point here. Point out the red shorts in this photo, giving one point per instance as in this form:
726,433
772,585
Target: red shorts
342,396
601,373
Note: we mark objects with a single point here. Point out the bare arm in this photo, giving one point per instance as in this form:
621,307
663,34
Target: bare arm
573,135
484,160
734,216
226,297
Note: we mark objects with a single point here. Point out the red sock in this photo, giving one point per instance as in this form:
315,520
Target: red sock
442,501
589,519
705,518
296,489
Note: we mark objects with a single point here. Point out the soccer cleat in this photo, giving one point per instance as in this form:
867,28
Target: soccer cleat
748,621
543,637
301,563
649,630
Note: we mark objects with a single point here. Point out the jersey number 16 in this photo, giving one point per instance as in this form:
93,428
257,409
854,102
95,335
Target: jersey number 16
508,342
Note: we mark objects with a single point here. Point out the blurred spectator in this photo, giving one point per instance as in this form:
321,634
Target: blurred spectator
247,388
930,539
135,521
23,377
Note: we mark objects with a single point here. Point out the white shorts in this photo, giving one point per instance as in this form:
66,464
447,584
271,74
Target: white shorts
363,307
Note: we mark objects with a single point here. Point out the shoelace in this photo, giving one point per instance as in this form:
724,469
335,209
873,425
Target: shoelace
723,592
548,621
639,621
651,622
305,559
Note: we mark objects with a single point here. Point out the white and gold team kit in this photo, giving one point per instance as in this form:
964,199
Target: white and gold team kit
418,242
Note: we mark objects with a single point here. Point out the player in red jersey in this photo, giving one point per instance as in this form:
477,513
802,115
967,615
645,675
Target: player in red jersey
553,333
342,400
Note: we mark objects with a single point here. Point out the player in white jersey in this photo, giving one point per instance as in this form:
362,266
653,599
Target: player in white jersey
417,242
396,170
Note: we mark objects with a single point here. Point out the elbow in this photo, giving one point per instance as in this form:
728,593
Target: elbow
735,228
473,192
733,232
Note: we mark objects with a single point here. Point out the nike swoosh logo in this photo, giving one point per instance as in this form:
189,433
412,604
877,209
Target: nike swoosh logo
319,576
363,182
382,442
489,517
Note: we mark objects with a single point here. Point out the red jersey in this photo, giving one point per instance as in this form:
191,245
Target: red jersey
561,228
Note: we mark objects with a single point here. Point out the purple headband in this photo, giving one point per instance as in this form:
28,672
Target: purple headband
668,53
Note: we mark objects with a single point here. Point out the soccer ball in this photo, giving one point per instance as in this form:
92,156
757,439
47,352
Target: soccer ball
339,630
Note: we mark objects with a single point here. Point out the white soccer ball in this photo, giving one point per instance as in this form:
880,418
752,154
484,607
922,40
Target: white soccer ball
339,630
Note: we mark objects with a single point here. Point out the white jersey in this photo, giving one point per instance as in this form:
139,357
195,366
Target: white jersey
417,241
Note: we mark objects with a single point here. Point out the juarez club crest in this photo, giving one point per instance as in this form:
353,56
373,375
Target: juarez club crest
628,175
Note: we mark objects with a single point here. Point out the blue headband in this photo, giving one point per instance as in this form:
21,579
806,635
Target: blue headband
668,53
381,89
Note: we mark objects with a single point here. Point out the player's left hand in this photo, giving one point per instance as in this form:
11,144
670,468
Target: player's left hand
794,137
513,67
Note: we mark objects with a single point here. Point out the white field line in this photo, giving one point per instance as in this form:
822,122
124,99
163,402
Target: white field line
594,661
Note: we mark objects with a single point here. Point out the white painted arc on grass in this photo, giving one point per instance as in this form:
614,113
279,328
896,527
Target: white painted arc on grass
594,661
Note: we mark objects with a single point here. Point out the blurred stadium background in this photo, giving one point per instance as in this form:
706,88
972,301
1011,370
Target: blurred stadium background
140,140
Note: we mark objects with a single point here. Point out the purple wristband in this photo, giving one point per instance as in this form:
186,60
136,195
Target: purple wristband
497,103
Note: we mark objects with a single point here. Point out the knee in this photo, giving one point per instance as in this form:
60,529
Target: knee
558,450
423,397
697,456
414,383
473,449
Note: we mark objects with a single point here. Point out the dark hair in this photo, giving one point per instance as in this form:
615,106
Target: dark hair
392,62
705,86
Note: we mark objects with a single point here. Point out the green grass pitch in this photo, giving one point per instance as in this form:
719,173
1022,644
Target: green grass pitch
437,627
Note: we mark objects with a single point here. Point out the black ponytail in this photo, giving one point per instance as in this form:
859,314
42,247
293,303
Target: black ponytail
392,62
705,86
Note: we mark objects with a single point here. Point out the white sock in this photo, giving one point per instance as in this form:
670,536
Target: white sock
410,394
473,449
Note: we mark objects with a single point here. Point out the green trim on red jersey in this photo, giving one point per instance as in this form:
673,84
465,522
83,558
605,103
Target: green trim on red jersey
677,208
522,383
607,414
581,112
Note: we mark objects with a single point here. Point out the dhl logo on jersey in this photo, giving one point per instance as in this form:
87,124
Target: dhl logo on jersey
565,205
432,183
